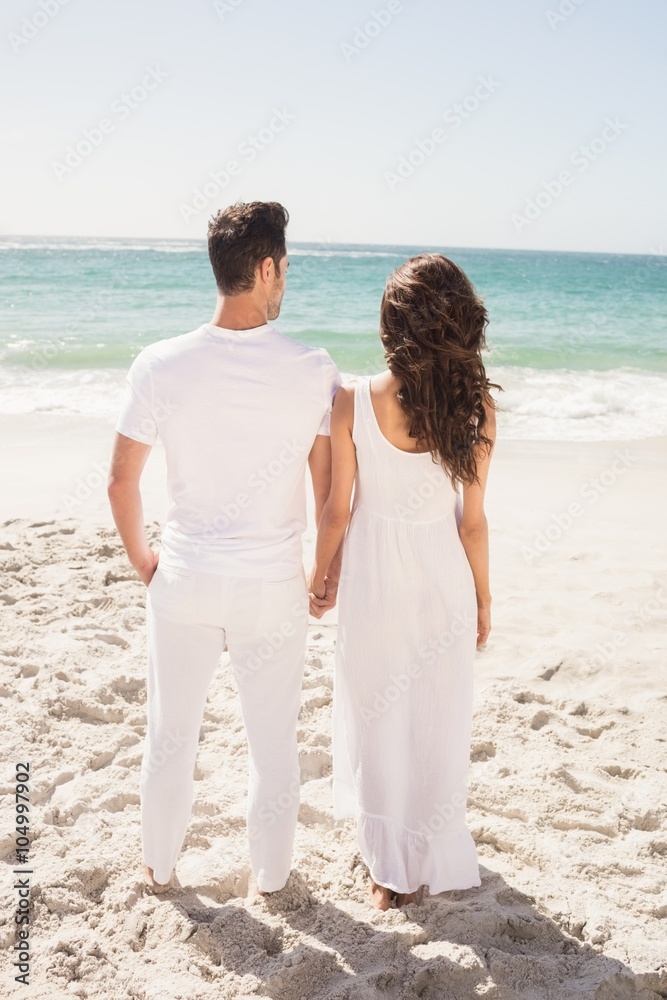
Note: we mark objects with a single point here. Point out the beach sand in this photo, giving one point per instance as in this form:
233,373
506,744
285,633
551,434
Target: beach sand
567,790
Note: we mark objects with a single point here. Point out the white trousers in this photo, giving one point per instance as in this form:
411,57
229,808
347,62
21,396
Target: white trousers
190,616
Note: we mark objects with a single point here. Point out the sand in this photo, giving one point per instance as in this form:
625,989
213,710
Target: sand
567,791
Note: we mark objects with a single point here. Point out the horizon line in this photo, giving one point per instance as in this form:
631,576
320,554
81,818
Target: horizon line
334,245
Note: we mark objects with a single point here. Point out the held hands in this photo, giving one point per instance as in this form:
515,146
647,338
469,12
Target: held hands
322,594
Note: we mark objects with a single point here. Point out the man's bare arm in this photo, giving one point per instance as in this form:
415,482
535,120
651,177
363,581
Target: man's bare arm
319,462
128,459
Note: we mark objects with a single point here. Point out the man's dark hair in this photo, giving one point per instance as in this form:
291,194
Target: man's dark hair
240,237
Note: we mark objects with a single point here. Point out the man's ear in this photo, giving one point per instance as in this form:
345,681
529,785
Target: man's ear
266,270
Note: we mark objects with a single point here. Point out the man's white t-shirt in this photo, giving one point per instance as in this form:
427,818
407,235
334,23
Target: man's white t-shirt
238,412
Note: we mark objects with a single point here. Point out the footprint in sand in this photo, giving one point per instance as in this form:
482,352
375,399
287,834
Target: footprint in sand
482,751
320,697
312,816
550,672
99,603
594,732
314,764
88,712
129,688
620,772
317,680
562,774
112,640
101,759
527,697
650,821
540,720
213,874
118,802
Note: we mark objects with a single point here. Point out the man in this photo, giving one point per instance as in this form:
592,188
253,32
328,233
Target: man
240,409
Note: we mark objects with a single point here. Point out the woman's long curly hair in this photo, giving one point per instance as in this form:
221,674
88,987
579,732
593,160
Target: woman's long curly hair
432,327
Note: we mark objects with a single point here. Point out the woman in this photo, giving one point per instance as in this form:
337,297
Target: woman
414,598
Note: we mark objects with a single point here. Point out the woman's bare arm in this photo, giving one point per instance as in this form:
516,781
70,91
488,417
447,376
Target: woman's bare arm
336,511
474,531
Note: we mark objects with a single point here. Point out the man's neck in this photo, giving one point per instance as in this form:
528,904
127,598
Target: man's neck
239,312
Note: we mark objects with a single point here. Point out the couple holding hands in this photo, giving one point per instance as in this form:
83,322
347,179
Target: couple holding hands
399,463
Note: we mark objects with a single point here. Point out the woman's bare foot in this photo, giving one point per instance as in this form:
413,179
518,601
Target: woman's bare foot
152,885
380,896
403,898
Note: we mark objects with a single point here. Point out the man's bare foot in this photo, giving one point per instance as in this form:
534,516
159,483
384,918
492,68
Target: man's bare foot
380,896
254,889
152,885
403,898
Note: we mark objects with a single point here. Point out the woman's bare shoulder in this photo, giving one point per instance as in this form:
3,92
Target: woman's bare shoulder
345,392
343,402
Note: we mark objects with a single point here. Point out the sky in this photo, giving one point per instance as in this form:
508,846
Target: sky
534,124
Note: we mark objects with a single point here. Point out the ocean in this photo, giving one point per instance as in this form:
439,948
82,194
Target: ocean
577,340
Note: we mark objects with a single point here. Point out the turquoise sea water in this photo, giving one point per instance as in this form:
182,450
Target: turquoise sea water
578,341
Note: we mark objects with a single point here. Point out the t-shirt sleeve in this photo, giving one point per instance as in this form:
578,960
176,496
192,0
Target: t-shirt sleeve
137,415
332,382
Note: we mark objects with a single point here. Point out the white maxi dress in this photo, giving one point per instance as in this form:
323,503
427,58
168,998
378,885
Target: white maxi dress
403,668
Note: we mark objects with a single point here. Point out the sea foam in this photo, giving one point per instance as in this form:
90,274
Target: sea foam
617,405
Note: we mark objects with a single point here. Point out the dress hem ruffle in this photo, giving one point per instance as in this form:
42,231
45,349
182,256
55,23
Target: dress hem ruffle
447,859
